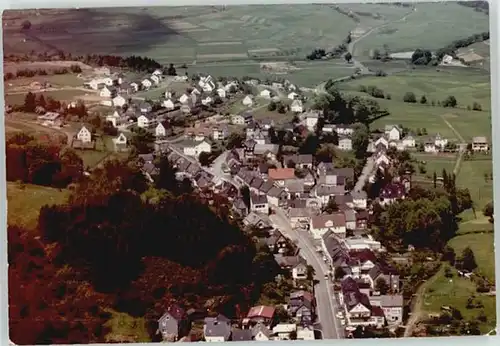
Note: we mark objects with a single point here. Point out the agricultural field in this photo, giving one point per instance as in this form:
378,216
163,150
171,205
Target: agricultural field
60,95
431,26
62,80
175,33
467,85
25,200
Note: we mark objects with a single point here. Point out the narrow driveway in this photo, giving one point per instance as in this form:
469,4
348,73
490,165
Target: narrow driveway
326,304
365,174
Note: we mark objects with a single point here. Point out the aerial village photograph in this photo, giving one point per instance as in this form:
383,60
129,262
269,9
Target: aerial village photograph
249,173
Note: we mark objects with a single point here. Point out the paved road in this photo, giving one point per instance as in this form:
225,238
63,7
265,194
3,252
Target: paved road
326,303
365,174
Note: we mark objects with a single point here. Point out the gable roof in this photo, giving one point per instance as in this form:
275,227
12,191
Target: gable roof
241,334
281,173
261,311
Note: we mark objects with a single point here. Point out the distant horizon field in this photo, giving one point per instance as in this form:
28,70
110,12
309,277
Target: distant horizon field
432,26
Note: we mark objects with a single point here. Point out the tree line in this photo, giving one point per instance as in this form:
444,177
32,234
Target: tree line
125,244
423,56
134,63
22,73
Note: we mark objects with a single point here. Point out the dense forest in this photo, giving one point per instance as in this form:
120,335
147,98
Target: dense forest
111,247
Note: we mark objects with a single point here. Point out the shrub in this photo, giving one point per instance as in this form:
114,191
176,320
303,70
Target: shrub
409,97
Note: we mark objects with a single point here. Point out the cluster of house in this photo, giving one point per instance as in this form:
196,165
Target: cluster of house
369,287
260,324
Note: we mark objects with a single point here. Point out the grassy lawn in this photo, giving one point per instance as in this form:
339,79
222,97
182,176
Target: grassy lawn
434,163
60,95
472,176
24,202
483,248
125,328
455,292
468,86
431,26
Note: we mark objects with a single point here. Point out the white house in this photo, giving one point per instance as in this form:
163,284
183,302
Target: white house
283,330
359,199
431,148
95,84
134,86
242,119
297,106
168,104
344,130
161,129
169,94
345,144
265,94
409,142
119,101
335,222
393,132
120,142
305,333
116,119
157,72
440,141
447,59
195,148
248,101
392,305
155,79
184,99
292,95
382,159
480,143
84,135
311,121
383,142
208,87
221,92
259,204
206,101
144,121
146,83
106,92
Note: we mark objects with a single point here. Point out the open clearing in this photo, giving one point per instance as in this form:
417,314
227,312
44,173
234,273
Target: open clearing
431,26
24,202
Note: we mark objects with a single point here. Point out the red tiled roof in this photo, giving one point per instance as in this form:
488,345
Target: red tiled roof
281,173
338,220
261,311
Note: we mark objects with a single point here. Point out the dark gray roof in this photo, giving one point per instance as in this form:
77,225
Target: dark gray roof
258,199
241,335
217,326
